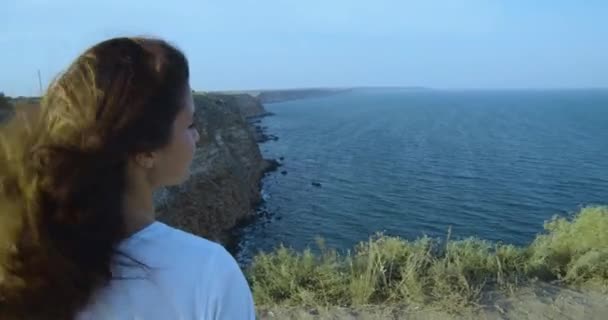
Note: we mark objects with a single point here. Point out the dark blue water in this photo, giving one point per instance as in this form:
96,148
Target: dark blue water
491,164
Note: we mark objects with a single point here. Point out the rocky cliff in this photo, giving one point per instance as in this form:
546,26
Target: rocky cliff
225,183
248,105
271,96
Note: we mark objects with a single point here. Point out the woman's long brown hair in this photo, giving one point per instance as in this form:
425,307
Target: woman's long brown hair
63,172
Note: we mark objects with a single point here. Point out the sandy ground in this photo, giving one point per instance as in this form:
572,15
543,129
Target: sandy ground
538,302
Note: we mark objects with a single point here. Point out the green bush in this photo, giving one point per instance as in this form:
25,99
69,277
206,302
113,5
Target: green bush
5,103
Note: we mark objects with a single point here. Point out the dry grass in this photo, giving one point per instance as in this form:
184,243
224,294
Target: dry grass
452,276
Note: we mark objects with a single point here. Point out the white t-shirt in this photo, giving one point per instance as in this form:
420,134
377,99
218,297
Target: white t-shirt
185,277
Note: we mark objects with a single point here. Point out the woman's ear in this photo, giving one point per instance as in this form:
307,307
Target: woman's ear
145,159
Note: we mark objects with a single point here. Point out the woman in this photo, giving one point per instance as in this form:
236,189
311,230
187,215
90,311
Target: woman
78,236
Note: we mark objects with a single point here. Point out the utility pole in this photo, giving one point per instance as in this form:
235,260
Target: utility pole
40,82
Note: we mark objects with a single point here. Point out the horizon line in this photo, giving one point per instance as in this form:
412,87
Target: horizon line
377,87
407,87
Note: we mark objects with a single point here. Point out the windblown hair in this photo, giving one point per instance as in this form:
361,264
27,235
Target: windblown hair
63,172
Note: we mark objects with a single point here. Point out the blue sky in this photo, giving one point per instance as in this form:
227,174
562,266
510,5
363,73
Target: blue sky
284,44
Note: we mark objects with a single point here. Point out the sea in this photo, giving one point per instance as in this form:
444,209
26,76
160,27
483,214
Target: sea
491,164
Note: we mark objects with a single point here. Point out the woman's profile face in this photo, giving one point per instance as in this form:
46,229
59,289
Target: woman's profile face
172,163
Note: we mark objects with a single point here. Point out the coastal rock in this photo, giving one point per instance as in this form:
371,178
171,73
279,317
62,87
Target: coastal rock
270,166
260,134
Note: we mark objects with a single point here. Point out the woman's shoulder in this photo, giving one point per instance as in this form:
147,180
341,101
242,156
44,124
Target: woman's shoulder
198,270
161,245
190,245
186,240
216,267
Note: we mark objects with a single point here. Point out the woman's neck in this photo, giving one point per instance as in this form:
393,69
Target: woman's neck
138,208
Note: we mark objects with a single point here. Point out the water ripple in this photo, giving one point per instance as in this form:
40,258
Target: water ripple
493,165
